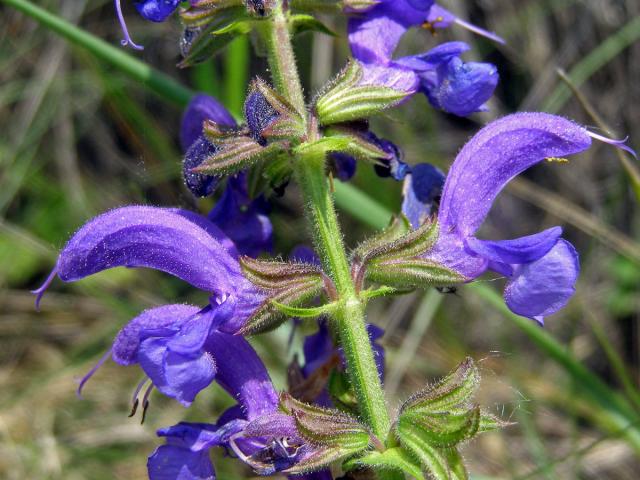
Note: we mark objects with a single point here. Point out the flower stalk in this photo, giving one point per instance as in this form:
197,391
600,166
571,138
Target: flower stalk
310,174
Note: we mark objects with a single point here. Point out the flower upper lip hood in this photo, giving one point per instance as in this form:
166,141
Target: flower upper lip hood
541,269
176,345
178,242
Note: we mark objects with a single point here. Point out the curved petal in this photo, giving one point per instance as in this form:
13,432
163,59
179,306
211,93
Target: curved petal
177,376
154,238
450,251
520,250
421,193
156,10
169,462
433,58
374,37
495,155
543,287
186,455
127,342
211,228
461,88
397,78
202,107
246,300
241,373
200,436
243,219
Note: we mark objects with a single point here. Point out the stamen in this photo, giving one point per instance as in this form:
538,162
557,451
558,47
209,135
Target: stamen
40,291
236,449
557,159
222,299
621,144
480,31
134,408
127,40
145,402
86,378
429,26
134,399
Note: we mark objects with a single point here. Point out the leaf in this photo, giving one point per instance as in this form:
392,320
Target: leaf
398,227
440,429
457,468
276,275
392,458
327,427
304,312
413,272
345,100
236,154
267,317
300,23
412,244
199,42
454,390
490,423
432,459
319,459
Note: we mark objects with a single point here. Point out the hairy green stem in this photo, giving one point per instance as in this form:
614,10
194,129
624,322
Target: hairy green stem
282,61
349,316
309,167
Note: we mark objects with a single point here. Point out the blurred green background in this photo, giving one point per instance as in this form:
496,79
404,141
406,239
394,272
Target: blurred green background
79,137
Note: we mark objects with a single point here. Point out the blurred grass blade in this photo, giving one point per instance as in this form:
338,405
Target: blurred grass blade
629,166
594,61
361,206
600,395
236,74
161,84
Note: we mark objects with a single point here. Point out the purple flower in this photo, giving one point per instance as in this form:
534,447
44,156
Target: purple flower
242,374
259,115
421,193
244,220
196,146
342,166
176,345
449,83
201,108
393,165
440,18
542,268
255,430
153,10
